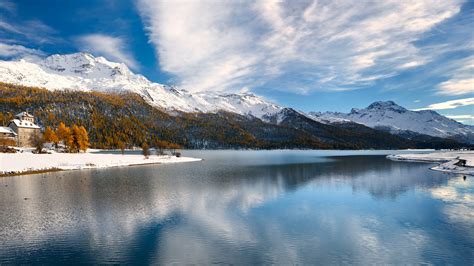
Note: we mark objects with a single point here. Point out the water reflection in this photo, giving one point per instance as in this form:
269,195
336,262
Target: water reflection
241,208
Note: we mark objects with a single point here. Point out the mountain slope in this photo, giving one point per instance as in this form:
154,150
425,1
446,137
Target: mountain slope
84,72
113,118
357,135
393,118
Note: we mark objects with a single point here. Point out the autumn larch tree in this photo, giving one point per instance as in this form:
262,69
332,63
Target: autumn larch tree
84,139
50,136
64,134
80,140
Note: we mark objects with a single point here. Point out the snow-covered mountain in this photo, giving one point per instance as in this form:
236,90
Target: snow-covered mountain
84,72
396,119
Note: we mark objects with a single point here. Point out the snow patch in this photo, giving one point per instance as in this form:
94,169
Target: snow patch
447,160
27,161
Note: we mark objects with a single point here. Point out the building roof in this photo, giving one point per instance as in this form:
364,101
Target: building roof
24,114
7,130
24,124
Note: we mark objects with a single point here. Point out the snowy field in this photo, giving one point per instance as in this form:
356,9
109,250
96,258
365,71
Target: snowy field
26,161
446,160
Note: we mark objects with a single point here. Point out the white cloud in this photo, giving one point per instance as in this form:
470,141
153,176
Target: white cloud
113,48
449,104
14,50
462,79
16,34
457,86
463,117
466,119
234,44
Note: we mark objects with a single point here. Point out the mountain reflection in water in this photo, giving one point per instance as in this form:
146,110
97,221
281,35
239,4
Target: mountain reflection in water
241,207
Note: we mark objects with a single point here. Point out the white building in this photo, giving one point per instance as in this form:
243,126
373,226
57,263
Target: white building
24,129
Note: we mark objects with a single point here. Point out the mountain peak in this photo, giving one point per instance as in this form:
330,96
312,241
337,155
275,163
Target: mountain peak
391,116
74,57
84,71
83,64
385,105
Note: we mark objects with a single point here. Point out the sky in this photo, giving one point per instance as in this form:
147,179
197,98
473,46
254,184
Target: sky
312,55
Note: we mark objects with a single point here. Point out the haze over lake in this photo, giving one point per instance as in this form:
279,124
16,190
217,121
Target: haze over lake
242,207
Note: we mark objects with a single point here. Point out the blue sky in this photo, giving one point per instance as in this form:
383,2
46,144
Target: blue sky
311,55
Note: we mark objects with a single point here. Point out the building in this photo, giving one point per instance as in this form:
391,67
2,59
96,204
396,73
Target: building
7,133
25,129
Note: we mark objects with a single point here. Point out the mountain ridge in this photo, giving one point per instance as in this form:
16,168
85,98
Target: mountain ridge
389,116
85,72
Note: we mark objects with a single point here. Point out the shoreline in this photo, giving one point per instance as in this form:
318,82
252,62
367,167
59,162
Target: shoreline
13,164
447,162
32,172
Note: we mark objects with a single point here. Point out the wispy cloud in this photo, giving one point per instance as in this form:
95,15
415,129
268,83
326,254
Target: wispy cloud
113,48
462,79
16,35
457,86
230,45
32,31
17,51
8,6
468,119
449,104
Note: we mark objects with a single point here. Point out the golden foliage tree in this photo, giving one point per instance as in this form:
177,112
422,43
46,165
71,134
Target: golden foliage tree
50,136
80,139
64,134
84,139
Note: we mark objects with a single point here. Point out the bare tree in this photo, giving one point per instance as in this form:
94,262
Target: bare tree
146,150
38,142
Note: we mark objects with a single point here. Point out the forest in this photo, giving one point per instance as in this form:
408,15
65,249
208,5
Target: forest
125,120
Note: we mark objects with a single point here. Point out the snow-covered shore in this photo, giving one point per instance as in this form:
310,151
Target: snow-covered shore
14,163
447,160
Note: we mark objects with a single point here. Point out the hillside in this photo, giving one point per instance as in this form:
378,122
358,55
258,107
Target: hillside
126,117
114,117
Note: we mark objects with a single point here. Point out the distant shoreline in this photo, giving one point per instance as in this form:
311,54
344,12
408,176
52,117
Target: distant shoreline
448,161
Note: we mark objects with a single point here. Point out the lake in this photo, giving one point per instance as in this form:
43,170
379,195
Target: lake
244,208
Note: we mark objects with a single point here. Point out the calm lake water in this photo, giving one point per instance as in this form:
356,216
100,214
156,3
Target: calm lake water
242,207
